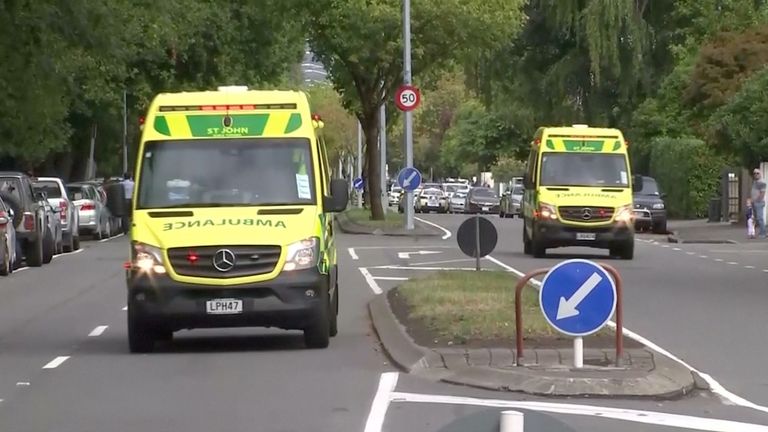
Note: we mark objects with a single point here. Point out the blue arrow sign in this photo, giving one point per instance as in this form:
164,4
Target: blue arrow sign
358,183
409,179
577,297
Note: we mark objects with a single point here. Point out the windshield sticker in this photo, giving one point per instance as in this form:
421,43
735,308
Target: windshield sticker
584,195
624,178
223,222
302,186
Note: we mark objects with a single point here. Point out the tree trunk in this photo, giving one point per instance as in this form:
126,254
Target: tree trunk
370,125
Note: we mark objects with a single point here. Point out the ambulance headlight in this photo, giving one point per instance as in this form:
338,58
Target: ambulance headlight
302,255
147,258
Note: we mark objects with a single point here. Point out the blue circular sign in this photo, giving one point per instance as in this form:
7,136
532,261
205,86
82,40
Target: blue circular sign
358,183
577,297
409,179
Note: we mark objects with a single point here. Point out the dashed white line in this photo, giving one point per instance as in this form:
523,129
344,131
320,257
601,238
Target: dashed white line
98,331
447,234
371,282
352,253
765,270
749,267
732,262
719,259
53,364
691,253
125,308
390,278
677,249
381,401
703,256
665,246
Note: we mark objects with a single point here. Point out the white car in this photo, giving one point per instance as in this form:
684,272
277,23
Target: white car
394,195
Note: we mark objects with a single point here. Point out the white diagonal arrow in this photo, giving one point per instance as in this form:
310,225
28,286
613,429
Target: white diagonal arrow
407,255
409,179
567,308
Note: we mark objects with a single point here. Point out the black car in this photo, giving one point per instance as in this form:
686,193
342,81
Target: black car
482,200
649,208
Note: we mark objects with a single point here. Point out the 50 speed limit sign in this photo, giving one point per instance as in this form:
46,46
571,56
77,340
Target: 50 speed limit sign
407,98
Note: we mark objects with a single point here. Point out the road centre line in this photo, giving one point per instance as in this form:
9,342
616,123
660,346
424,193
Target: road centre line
371,282
714,385
405,247
53,364
691,253
447,234
352,253
637,416
381,401
703,256
98,331
732,262
677,249
110,238
749,267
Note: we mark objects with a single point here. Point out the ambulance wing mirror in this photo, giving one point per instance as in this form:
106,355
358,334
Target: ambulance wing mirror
116,199
339,198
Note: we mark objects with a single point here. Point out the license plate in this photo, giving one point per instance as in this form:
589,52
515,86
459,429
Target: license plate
224,306
485,208
586,236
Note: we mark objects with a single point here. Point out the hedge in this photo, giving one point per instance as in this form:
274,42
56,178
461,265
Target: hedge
688,170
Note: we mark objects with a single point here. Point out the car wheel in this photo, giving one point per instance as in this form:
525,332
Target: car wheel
49,247
660,227
34,252
318,333
334,329
69,244
141,339
76,243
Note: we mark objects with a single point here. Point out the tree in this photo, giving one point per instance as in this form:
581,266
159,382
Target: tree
360,45
340,129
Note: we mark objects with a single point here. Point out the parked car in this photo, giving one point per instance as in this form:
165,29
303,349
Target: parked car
457,201
650,211
57,195
115,223
92,212
394,195
17,192
432,200
9,258
53,243
509,205
482,200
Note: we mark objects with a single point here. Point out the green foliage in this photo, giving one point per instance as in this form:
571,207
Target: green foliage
506,168
689,172
340,129
741,126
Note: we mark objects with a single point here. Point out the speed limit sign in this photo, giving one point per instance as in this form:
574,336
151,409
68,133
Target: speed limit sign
407,98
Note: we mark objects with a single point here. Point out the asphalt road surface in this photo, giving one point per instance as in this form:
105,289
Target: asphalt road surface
65,366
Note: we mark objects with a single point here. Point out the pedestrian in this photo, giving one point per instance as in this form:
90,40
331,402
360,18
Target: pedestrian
750,216
128,188
758,201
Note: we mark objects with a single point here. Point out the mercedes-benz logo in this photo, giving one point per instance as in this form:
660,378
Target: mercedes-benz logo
224,260
586,214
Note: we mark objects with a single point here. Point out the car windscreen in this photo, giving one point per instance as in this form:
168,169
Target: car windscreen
584,169
484,193
432,192
518,190
11,186
650,187
226,173
51,188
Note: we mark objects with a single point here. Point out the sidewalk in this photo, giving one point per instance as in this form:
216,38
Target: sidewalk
701,231
543,372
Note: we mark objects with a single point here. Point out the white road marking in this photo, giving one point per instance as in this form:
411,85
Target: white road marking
732,262
98,331
22,384
691,253
394,267
665,246
405,247
749,267
110,238
719,259
765,270
703,256
677,249
381,401
53,364
390,278
371,282
352,253
442,262
125,308
447,234
21,269
637,416
715,386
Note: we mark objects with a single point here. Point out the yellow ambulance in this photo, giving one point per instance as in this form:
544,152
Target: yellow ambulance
578,191
232,217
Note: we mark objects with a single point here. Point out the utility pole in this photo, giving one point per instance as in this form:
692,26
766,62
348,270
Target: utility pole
125,131
383,151
407,78
360,162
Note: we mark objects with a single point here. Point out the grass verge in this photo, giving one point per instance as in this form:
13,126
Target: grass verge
362,216
476,309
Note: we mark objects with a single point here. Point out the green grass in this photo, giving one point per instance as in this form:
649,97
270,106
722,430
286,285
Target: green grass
465,305
362,216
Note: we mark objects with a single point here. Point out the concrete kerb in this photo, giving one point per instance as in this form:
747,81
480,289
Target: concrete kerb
347,226
667,380
674,237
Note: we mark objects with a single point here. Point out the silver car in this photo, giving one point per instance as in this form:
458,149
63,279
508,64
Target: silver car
92,213
9,259
57,196
456,204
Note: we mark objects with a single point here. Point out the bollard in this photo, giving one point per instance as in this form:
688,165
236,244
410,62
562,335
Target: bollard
511,421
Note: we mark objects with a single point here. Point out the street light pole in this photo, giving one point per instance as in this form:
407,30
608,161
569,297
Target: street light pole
408,114
359,162
383,160
125,131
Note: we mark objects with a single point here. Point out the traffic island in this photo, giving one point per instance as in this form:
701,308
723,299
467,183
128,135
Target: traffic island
459,327
358,221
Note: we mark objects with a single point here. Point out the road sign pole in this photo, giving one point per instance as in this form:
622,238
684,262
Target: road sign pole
359,161
125,131
578,353
477,243
408,128
383,160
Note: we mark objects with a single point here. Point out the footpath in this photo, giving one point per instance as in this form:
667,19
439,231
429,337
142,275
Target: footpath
702,231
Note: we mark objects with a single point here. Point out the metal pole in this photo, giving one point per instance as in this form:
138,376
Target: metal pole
383,159
359,162
477,243
408,129
578,353
125,131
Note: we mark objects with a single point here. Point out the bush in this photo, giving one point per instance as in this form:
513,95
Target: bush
689,172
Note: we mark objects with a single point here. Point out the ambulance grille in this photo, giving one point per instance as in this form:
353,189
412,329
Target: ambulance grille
240,261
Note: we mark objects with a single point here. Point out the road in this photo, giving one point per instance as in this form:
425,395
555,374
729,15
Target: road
64,363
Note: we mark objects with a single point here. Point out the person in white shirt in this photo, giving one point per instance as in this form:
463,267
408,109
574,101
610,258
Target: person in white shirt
128,188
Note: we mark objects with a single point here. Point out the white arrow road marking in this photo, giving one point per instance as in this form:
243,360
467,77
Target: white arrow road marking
407,255
567,308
